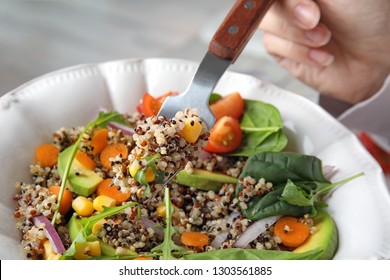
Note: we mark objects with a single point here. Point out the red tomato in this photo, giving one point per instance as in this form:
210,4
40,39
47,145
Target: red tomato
230,105
225,136
150,105
376,151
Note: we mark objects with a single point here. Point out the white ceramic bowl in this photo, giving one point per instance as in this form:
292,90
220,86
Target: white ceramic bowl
70,97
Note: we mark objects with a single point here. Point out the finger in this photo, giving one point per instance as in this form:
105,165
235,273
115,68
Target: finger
304,14
283,48
282,22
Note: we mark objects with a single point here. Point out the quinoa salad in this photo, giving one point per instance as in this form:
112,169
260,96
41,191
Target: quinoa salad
140,186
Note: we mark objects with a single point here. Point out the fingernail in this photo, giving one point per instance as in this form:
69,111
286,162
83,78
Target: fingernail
318,35
321,57
306,15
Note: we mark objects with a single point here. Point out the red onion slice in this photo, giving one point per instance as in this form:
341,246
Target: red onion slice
50,233
329,171
204,154
118,126
150,224
221,237
254,230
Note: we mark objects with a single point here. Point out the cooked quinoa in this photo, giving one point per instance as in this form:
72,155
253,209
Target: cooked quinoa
210,212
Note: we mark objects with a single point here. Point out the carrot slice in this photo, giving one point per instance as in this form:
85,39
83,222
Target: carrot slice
111,151
99,140
85,160
66,201
195,239
143,258
47,155
291,232
105,188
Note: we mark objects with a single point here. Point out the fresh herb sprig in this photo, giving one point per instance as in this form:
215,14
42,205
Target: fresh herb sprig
101,121
140,175
168,247
88,223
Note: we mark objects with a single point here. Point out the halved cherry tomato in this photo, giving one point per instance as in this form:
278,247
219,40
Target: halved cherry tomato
382,157
225,136
150,106
230,105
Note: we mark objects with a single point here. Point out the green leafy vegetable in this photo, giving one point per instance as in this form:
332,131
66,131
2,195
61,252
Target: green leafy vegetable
87,224
214,97
253,254
140,175
167,247
270,204
261,125
101,121
298,184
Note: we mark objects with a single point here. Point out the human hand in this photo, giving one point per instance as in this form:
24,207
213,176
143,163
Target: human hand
339,47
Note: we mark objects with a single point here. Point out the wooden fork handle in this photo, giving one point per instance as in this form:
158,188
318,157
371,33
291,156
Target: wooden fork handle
238,27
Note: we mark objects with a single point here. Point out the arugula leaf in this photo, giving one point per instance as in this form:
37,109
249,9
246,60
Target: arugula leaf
87,224
167,247
101,121
140,175
261,125
296,195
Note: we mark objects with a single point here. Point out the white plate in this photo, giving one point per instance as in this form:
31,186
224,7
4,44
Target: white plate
70,97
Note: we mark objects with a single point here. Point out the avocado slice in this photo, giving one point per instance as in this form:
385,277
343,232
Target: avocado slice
74,227
203,179
326,237
84,183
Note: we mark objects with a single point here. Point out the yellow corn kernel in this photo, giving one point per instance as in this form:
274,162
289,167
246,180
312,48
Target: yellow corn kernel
134,167
191,130
103,200
54,256
97,227
86,249
83,206
47,249
149,174
161,210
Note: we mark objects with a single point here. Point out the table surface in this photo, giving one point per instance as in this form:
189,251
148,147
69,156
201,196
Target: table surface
37,37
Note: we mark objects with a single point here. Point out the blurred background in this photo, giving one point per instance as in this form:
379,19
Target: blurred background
37,37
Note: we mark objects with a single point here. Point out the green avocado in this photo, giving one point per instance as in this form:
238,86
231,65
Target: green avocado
204,180
74,227
84,183
325,238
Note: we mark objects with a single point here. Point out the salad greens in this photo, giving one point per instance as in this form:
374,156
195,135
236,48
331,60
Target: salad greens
140,176
101,121
261,125
87,224
167,247
298,184
253,254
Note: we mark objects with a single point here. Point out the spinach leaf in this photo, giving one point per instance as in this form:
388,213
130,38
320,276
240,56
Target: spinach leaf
271,204
278,167
261,125
253,254
298,184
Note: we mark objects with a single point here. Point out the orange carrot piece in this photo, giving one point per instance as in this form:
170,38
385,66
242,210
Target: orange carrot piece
85,160
291,232
66,201
104,188
47,155
111,151
195,239
143,258
99,140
